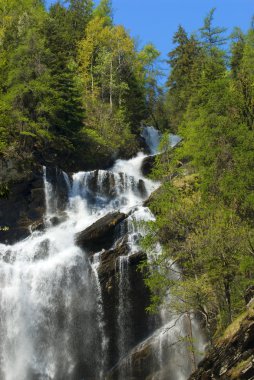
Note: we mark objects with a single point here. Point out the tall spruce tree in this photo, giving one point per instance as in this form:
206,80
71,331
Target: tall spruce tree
212,36
179,83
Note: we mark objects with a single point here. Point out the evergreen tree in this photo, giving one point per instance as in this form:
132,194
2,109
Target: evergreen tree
179,83
26,93
104,10
61,42
212,36
237,49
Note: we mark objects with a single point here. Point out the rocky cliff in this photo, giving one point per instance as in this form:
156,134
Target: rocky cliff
232,358
22,204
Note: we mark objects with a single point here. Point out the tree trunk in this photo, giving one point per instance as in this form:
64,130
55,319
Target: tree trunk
111,86
192,348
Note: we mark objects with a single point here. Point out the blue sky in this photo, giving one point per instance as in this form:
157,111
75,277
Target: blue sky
156,20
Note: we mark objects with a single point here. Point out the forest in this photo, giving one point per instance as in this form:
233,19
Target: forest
205,206
76,90
73,84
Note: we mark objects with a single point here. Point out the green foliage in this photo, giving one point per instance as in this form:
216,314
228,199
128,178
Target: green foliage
212,36
181,59
71,82
205,206
118,85
104,10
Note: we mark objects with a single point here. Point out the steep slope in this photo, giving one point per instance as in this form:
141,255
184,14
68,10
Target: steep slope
232,358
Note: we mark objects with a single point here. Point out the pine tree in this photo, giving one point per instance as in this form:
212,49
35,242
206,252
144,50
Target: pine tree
104,10
179,83
26,98
212,36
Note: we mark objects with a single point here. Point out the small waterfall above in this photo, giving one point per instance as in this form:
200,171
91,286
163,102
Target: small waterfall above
152,138
72,302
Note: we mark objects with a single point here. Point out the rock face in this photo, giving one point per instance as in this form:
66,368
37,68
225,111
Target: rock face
147,165
101,184
136,299
59,189
249,294
23,207
233,357
137,365
101,234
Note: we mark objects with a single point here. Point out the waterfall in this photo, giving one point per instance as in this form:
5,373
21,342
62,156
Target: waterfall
54,296
152,138
123,307
100,311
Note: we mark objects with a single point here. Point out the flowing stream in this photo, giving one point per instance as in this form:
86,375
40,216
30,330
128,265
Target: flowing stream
53,315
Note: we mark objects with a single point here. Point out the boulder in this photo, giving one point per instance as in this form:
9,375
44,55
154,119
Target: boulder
147,165
101,234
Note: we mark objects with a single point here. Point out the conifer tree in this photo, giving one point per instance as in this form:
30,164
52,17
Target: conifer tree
212,36
179,83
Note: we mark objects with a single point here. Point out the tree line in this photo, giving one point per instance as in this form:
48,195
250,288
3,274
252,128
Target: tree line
74,87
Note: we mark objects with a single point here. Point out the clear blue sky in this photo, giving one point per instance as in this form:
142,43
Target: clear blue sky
157,20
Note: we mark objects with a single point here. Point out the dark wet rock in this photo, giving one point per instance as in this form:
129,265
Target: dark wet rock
137,298
142,188
23,207
102,183
38,225
24,204
60,190
14,170
58,219
233,356
137,365
147,165
101,234
104,186
249,294
42,251
7,257
143,145
143,362
108,261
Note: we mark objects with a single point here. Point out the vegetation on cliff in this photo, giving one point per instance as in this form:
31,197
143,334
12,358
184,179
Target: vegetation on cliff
205,207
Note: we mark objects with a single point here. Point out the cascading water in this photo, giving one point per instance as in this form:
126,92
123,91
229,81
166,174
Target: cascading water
54,313
152,137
